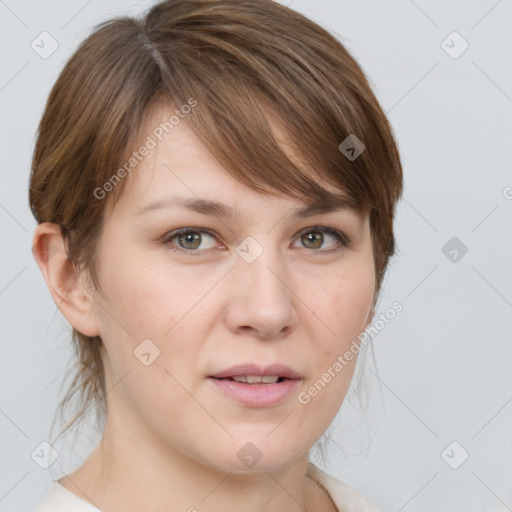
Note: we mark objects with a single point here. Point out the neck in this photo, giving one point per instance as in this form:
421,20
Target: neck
123,473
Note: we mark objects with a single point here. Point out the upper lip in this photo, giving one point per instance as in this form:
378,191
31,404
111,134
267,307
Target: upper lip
252,369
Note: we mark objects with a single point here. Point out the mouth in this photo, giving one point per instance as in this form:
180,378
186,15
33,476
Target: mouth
254,372
257,379
255,386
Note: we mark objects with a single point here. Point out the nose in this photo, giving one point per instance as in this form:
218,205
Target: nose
262,301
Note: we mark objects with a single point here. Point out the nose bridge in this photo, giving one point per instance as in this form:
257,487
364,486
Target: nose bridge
261,268
261,297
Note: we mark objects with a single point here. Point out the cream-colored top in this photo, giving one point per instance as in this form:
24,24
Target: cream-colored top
346,499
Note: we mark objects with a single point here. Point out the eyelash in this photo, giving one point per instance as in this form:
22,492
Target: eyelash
344,241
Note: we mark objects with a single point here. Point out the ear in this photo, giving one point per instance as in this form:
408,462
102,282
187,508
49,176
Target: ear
72,291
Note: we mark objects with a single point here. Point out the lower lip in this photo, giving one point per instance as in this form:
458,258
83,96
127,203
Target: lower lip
257,395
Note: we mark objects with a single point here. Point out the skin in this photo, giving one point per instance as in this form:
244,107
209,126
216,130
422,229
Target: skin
171,438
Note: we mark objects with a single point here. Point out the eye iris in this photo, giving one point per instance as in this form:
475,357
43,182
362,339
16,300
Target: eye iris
316,237
190,238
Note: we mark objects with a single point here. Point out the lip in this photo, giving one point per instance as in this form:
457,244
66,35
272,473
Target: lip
257,395
253,369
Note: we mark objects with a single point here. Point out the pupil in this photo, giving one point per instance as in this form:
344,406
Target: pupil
190,238
312,236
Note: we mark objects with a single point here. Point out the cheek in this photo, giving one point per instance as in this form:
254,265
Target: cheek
343,304
150,340
353,300
151,301
141,294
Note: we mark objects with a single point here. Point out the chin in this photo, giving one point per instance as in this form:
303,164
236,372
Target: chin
248,454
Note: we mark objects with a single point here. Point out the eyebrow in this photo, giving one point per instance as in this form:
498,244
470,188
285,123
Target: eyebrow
223,210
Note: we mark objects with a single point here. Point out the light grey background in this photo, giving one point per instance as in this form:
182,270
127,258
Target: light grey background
442,366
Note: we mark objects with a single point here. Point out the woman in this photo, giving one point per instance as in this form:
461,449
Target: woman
215,186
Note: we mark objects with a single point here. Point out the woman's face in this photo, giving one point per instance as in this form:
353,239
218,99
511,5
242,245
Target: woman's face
182,316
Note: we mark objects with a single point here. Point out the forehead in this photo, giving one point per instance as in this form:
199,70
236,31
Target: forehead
177,169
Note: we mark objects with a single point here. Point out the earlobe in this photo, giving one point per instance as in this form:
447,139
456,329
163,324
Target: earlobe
71,290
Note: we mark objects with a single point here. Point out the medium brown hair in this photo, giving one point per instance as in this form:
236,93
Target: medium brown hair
236,58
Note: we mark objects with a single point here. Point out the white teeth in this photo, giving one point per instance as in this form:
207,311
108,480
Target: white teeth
257,379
